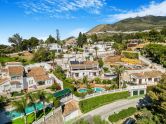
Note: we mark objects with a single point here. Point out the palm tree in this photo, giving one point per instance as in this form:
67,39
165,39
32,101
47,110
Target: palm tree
16,41
85,80
53,56
118,71
96,49
44,97
33,99
20,107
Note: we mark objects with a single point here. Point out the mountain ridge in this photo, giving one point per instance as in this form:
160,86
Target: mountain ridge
132,24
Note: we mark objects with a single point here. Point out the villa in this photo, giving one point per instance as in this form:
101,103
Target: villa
147,77
11,78
79,69
37,77
52,47
15,77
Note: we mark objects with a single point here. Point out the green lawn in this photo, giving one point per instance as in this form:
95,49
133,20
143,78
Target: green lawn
95,102
122,114
30,119
6,59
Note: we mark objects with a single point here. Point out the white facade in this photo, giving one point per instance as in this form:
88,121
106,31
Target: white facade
145,80
55,47
78,71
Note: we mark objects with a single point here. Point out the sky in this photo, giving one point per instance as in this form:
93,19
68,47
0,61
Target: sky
40,18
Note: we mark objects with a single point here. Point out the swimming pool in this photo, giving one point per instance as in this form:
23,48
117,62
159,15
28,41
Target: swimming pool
82,90
96,89
14,114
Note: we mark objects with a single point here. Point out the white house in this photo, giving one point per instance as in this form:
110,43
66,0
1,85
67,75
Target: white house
147,77
55,47
11,77
16,77
4,85
52,46
78,69
37,77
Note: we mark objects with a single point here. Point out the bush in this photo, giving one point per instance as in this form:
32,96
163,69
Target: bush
82,95
17,93
56,103
130,54
95,102
122,114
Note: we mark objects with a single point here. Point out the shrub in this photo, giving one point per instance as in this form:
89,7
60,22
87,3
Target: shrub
130,54
122,114
95,102
82,95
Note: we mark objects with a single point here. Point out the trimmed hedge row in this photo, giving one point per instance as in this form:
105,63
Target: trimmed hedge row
130,55
122,114
95,102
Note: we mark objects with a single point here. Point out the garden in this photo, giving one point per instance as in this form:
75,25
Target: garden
95,102
30,107
122,114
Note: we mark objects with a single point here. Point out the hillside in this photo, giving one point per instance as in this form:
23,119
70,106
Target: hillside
132,24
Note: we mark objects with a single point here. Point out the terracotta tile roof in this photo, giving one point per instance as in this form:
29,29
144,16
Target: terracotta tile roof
15,82
38,73
148,74
3,80
69,108
15,70
85,65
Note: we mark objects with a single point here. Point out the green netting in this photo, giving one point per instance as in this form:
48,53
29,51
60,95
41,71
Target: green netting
62,93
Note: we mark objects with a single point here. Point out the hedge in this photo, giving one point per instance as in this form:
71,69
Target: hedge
122,114
130,55
95,102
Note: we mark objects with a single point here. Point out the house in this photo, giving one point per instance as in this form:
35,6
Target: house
55,47
37,77
4,85
11,77
52,47
147,77
79,69
16,77
71,110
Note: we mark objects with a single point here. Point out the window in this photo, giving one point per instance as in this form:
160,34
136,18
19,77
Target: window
149,79
77,74
94,73
156,79
30,82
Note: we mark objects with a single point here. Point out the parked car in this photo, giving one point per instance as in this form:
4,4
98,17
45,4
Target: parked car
129,121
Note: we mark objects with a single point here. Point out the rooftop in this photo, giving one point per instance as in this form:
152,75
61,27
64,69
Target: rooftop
3,80
148,74
69,108
38,73
15,70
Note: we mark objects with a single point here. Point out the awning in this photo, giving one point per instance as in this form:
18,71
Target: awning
62,93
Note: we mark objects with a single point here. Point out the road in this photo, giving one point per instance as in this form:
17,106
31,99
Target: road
109,109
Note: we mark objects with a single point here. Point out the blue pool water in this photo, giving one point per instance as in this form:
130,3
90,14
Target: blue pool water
82,90
96,89
14,114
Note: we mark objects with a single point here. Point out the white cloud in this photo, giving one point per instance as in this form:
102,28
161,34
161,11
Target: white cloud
54,7
156,9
